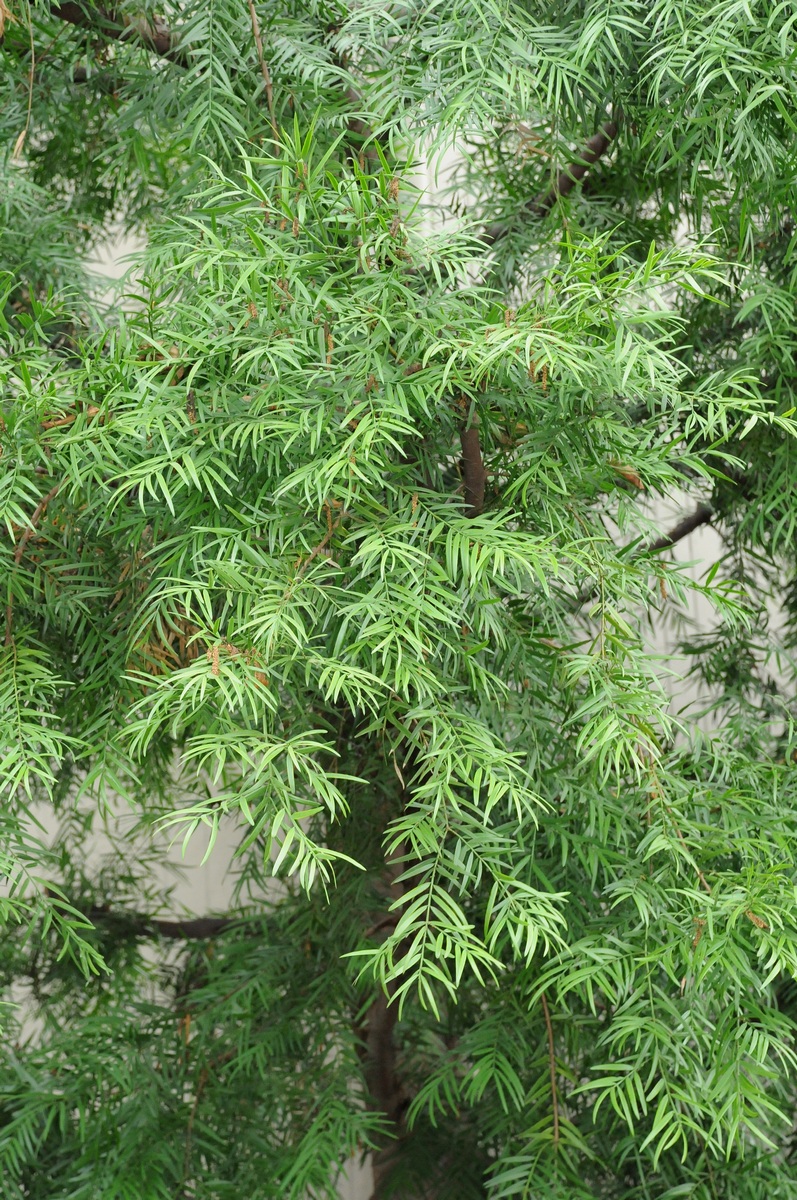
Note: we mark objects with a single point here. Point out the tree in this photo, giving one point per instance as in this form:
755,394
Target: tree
342,533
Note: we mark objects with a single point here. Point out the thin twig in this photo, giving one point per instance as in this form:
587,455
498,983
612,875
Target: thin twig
322,545
20,142
759,922
264,70
706,886
552,1068
91,411
20,550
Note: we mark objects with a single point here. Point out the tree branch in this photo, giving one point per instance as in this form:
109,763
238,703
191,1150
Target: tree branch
701,516
381,1077
264,70
154,37
474,476
103,80
141,925
565,181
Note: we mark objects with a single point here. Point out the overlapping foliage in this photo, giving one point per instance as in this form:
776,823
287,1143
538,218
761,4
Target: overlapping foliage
341,533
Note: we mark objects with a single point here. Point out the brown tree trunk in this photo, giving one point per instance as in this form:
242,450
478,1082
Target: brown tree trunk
383,1082
381,1065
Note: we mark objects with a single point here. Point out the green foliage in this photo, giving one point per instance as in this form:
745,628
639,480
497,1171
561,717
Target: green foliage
252,588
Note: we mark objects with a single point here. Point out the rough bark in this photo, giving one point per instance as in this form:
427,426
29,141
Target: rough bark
474,475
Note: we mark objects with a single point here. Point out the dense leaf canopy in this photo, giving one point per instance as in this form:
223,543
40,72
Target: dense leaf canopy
340,533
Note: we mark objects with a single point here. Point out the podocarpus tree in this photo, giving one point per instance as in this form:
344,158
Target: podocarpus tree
341,534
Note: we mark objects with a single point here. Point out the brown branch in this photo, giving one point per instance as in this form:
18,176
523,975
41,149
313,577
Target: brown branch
379,1050
156,38
163,41
55,422
264,71
141,925
302,565
565,181
360,129
474,475
20,550
701,516
104,80
552,1068
193,927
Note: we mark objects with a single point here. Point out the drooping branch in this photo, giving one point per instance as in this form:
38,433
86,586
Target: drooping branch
163,41
565,181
